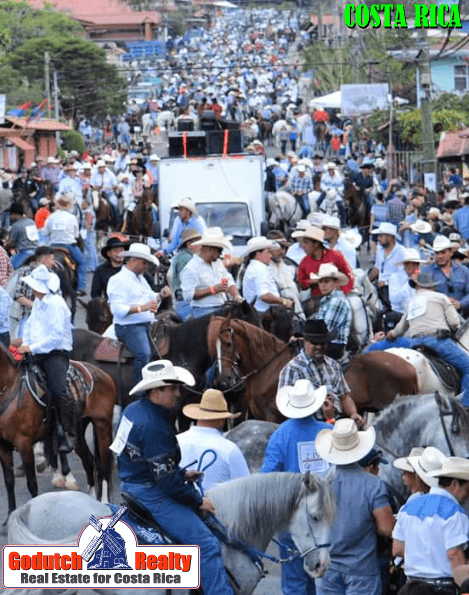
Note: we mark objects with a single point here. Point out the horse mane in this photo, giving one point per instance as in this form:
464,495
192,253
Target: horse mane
259,504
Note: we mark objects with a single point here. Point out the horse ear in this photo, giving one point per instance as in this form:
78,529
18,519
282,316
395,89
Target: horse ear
310,482
442,402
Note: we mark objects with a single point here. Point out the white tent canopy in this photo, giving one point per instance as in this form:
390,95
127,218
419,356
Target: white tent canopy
332,100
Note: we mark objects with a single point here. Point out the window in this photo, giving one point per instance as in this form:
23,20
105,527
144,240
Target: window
460,77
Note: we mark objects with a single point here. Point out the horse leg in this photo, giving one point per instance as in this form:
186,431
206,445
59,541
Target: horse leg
70,481
86,457
27,457
6,458
102,457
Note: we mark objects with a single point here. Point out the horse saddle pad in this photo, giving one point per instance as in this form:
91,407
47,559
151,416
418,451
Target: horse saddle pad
445,371
79,382
110,350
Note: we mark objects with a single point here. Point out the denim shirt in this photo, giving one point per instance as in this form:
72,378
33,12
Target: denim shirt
457,286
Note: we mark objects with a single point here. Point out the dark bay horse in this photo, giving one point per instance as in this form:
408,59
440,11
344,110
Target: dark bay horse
356,209
22,425
139,222
253,358
103,211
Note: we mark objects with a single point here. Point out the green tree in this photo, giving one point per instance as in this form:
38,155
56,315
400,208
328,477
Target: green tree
332,66
73,141
92,86
448,120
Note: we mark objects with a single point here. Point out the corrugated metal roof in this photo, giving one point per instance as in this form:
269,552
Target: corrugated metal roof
453,144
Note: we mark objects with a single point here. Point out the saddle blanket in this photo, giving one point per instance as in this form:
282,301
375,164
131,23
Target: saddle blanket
79,381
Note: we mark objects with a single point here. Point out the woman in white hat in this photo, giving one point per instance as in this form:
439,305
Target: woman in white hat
363,510
47,335
149,468
187,219
259,287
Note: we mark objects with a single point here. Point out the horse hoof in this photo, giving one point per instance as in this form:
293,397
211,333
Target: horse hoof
58,482
71,484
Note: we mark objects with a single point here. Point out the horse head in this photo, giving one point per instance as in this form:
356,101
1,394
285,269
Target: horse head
311,522
98,314
228,358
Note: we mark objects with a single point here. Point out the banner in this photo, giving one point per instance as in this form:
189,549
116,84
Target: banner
357,100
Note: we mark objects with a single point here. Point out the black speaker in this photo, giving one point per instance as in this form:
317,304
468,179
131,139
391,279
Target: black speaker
185,125
215,140
195,144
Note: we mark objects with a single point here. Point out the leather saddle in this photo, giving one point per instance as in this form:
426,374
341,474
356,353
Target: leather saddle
110,350
445,371
141,521
79,381
68,260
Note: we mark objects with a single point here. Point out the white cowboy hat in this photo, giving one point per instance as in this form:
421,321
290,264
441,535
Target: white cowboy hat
306,161
301,167
44,201
330,165
215,239
300,400
313,233
411,255
138,250
315,220
328,270
122,176
386,228
87,165
421,226
212,406
344,444
259,243
270,161
65,201
429,461
154,157
380,162
52,160
434,212
331,221
454,467
353,237
403,464
42,280
302,225
162,373
188,204
441,243
108,158
100,163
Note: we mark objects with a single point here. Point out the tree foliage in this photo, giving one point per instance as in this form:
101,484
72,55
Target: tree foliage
332,66
72,140
444,120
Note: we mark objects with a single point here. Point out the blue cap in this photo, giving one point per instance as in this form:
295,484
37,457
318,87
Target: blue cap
374,456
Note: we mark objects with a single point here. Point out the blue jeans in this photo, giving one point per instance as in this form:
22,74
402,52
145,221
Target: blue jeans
387,344
295,580
18,259
450,351
137,339
340,583
183,310
198,312
79,258
185,527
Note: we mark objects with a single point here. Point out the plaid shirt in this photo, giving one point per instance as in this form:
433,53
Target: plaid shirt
328,372
396,210
6,269
22,289
336,312
298,184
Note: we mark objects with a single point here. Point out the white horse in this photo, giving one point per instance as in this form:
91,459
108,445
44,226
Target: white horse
147,124
253,509
276,128
166,120
285,211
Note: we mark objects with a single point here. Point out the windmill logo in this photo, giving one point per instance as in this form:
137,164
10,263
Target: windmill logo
106,551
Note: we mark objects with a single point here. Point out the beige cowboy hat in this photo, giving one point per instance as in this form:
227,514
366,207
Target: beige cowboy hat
441,243
70,166
315,220
313,233
188,235
429,461
212,406
434,213
44,201
52,160
403,464
87,165
301,399
453,467
302,225
215,239
330,165
411,255
421,226
386,229
306,161
65,201
42,280
344,444
154,157
162,373
328,270
188,204
138,250
259,243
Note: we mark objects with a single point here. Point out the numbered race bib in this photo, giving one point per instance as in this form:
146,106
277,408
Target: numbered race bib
31,233
417,307
121,436
309,460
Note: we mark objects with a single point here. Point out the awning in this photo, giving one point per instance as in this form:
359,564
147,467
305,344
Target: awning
20,143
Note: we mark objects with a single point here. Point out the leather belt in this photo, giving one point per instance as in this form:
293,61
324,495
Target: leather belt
438,582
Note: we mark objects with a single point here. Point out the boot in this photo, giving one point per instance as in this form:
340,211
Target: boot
65,426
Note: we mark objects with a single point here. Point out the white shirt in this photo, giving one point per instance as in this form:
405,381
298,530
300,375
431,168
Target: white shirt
230,462
126,289
400,292
199,275
429,526
106,181
296,253
49,325
72,185
62,227
348,251
258,281
387,265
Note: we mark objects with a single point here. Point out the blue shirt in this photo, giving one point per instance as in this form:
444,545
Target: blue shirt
5,304
387,265
191,223
353,533
461,220
457,286
291,447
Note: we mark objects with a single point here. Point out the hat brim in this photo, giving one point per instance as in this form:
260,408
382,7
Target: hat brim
271,245
343,279
303,234
318,339
285,407
213,244
194,411
424,229
403,464
147,257
105,249
182,376
379,231
36,285
464,475
428,479
327,451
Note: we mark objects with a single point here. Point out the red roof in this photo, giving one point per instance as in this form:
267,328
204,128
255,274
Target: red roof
82,7
21,143
43,124
453,144
134,18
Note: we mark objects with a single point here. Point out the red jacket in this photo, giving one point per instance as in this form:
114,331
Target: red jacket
310,265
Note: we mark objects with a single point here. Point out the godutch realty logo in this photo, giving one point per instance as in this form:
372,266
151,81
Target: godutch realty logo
107,554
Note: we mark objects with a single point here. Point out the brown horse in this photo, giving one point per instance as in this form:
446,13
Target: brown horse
22,424
252,358
357,213
102,208
139,222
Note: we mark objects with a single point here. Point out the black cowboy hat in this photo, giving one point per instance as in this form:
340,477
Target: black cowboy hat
424,280
316,332
114,242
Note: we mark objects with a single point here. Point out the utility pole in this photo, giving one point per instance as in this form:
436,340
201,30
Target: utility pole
56,107
428,138
47,75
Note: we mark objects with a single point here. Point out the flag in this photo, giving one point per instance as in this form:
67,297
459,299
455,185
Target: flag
37,110
20,110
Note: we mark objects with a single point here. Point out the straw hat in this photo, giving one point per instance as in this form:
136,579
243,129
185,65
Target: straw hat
259,243
313,233
154,157
301,399
344,444
328,270
52,160
138,250
411,255
421,226
441,243
429,461
424,280
42,280
188,204
453,467
212,406
65,201
162,373
386,228
403,462
215,239
189,234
